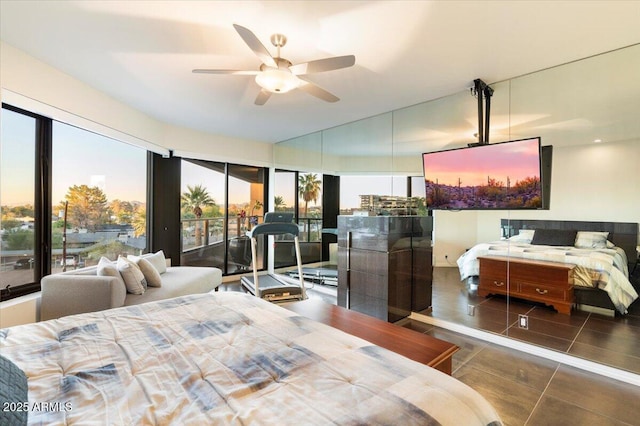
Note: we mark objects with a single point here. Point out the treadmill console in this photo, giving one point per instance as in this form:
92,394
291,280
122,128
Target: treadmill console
278,217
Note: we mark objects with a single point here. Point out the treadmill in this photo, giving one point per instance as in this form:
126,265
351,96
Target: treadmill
275,287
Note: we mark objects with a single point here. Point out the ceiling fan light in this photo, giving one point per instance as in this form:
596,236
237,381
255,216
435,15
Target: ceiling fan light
276,80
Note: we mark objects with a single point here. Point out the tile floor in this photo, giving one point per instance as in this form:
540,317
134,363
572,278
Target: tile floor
613,341
531,391
527,390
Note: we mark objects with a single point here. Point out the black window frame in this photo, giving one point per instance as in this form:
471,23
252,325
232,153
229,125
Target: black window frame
42,205
225,168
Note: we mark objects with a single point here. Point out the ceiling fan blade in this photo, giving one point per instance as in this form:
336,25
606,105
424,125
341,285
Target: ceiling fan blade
317,91
262,97
234,72
322,65
254,44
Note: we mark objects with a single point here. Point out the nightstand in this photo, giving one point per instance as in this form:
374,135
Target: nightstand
635,265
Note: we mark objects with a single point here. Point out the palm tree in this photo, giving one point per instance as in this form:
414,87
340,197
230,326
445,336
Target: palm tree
309,187
278,202
194,199
257,205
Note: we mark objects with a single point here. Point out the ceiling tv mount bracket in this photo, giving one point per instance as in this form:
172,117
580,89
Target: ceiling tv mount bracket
482,91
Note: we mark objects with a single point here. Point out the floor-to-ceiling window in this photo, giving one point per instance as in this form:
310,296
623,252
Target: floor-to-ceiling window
285,200
220,203
68,196
310,206
99,191
203,210
17,199
299,193
246,210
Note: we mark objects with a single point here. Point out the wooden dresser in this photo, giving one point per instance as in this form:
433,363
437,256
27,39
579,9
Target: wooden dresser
550,283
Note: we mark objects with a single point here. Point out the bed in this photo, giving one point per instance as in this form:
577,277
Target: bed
225,358
601,252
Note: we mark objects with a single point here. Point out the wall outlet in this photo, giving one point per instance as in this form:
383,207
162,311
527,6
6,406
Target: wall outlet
523,321
471,310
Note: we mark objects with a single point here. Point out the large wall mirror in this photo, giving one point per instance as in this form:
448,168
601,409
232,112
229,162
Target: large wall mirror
588,111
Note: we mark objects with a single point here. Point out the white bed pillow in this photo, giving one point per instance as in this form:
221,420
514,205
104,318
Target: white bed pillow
590,239
157,260
132,275
524,236
149,271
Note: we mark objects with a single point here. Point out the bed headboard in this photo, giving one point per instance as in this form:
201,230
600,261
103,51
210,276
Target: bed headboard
622,234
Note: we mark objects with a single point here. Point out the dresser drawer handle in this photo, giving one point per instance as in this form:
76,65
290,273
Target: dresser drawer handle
542,291
498,284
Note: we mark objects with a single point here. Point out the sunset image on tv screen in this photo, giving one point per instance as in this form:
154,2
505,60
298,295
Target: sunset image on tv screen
495,176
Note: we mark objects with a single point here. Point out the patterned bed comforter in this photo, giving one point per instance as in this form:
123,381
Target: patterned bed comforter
225,358
604,268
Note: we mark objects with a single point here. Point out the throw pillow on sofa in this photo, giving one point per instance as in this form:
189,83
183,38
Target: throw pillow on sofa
149,271
157,260
132,275
107,268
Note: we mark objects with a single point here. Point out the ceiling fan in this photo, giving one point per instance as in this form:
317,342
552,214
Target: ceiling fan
279,75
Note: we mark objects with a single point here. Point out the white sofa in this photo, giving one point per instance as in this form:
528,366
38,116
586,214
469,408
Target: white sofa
82,290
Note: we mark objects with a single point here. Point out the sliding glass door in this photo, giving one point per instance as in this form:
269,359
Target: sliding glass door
246,210
220,203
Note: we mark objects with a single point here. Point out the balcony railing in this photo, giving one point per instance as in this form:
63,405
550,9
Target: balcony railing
204,232
310,229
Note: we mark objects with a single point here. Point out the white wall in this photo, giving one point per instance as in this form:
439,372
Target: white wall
595,182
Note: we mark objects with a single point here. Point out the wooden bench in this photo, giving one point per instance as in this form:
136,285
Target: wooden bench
417,346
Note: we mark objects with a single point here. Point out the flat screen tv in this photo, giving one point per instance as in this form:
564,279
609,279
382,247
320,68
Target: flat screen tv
501,176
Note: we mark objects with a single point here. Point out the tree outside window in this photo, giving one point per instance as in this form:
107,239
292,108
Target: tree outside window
309,188
193,200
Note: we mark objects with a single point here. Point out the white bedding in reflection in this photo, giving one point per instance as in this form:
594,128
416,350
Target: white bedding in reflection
604,268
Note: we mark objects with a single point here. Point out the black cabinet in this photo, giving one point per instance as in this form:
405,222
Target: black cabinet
385,264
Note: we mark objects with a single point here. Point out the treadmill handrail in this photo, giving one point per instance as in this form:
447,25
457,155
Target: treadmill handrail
274,228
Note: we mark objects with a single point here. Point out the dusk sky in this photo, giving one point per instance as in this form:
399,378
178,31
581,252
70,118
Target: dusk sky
85,158
82,157
79,158
516,160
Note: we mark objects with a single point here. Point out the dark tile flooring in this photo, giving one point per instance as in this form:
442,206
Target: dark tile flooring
528,390
525,389
613,341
